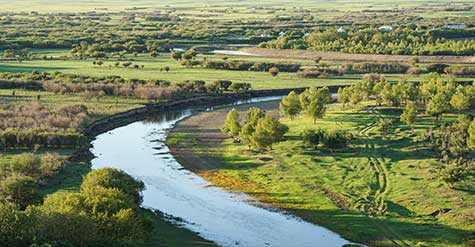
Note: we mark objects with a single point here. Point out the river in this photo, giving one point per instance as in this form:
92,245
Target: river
217,215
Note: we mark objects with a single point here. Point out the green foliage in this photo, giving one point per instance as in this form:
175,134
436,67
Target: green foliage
314,102
112,178
453,173
232,127
471,135
268,131
334,139
409,114
313,137
290,105
460,101
104,213
19,189
438,105
385,125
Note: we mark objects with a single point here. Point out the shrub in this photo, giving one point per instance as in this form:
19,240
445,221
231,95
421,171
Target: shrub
415,71
336,139
313,137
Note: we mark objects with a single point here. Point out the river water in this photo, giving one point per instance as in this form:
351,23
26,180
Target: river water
217,215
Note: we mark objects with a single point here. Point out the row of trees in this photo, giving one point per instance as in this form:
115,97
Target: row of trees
259,131
400,41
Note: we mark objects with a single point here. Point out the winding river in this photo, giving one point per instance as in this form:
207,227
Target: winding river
217,215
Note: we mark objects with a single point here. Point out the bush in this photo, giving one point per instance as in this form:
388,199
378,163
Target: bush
415,71
336,139
313,137
382,68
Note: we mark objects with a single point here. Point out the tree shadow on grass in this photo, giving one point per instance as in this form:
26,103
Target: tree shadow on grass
382,231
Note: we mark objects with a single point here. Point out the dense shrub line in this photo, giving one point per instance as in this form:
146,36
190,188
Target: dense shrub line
252,66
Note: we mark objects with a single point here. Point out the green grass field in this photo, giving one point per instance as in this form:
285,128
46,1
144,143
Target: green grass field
179,73
332,188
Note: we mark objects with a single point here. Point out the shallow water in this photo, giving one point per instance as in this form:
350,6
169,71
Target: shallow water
220,216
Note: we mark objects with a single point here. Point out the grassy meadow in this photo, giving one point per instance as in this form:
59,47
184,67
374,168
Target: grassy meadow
336,188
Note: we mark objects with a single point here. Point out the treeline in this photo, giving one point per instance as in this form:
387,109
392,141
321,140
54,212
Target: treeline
31,125
98,87
400,41
251,66
104,212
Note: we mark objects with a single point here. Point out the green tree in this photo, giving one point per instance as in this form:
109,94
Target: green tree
409,114
268,131
290,105
113,178
19,189
437,105
314,102
232,126
385,125
312,137
460,101
471,135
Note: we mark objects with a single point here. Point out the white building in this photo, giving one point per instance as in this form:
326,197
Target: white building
455,26
386,28
341,30
281,33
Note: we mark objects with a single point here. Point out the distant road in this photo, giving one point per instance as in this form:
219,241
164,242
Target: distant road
304,54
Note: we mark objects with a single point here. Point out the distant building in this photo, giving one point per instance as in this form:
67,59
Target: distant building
455,26
306,34
341,30
386,28
281,33
265,35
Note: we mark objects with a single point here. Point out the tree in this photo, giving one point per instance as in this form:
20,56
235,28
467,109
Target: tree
385,125
452,174
19,189
290,105
232,126
460,101
113,178
274,71
314,102
167,69
344,94
409,114
268,131
471,135
437,105
9,53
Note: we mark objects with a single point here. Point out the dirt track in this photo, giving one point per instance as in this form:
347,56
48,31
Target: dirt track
303,54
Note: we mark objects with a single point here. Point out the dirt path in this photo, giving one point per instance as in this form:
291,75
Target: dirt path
304,54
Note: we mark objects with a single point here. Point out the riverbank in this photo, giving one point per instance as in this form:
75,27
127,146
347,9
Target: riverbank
322,186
